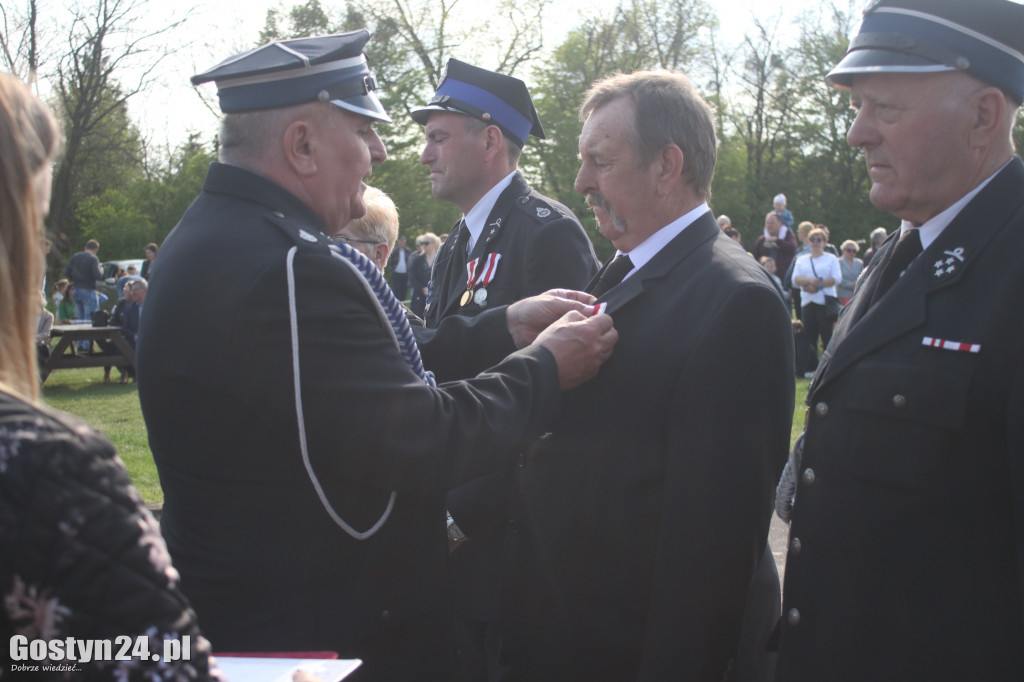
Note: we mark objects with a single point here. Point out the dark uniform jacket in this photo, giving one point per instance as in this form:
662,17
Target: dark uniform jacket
542,247
645,510
906,559
251,489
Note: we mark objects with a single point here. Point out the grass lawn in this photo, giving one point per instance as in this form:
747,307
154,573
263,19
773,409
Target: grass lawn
114,409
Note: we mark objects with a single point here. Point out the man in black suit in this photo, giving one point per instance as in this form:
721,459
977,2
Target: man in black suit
516,243
302,449
398,268
643,514
906,557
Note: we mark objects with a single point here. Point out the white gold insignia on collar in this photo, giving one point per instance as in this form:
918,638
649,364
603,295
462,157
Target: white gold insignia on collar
543,212
307,236
948,264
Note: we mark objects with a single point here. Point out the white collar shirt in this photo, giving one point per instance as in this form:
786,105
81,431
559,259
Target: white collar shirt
477,216
650,247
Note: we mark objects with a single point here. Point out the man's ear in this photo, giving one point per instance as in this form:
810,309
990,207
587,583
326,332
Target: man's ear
990,110
380,254
300,146
668,167
494,141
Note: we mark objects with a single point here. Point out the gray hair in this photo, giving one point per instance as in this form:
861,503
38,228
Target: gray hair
380,222
878,235
669,110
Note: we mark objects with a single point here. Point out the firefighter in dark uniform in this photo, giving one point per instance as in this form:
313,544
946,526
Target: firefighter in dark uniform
906,555
512,242
303,450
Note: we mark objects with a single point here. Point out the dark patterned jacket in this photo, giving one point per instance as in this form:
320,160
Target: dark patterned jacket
81,557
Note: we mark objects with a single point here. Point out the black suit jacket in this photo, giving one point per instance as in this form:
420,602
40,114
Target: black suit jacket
263,561
909,516
644,512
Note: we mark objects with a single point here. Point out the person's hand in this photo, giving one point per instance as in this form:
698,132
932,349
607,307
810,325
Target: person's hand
580,346
529,317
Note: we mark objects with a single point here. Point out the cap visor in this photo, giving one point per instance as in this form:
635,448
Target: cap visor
879,61
365,105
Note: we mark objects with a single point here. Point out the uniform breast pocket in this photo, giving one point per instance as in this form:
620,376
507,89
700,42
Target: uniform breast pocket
906,425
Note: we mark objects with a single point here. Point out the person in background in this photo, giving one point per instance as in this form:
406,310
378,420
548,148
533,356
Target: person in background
131,274
776,242
816,273
150,250
803,230
768,263
80,556
398,269
733,234
83,270
63,302
420,269
779,206
850,266
724,221
376,231
877,237
44,325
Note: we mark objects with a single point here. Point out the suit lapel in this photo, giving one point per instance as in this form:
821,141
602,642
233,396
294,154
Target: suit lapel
864,329
674,253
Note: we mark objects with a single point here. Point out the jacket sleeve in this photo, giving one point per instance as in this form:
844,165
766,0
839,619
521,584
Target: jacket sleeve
366,419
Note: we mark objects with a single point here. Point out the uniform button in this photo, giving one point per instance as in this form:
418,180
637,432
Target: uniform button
521,460
821,409
808,478
793,617
899,401
795,546
385,615
278,214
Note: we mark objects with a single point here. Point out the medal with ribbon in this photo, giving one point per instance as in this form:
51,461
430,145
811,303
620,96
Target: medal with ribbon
480,274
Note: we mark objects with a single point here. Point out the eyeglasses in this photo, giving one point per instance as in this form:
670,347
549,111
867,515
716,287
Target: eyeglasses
351,240
422,243
816,239
850,249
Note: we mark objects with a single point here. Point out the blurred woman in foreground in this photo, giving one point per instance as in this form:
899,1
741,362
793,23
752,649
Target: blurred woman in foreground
81,559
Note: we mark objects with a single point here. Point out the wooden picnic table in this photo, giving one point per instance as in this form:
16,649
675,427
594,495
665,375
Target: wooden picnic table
114,351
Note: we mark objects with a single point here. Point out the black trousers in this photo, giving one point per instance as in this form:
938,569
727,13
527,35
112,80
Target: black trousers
816,326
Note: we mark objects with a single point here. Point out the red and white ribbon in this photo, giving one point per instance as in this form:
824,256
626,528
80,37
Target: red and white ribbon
486,272
951,345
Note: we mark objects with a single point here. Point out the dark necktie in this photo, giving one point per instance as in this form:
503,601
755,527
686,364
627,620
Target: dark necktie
612,275
907,249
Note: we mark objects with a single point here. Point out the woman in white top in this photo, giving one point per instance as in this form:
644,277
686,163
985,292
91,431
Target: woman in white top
816,273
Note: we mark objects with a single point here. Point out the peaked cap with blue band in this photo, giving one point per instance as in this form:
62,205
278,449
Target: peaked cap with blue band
984,38
290,72
486,95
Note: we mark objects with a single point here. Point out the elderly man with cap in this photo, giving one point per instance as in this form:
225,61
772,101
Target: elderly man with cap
511,243
302,449
906,555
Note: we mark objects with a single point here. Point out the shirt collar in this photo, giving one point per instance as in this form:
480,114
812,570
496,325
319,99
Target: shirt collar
933,227
650,247
477,216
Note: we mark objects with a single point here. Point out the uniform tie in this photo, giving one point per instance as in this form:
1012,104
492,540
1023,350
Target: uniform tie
907,249
612,275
